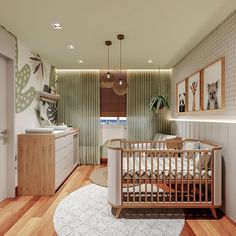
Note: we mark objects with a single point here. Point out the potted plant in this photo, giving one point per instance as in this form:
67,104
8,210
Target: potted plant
159,102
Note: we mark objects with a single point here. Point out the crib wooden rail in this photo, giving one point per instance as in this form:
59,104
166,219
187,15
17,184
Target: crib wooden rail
147,174
154,178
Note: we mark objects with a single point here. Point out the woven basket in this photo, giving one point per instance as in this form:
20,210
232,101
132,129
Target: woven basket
107,83
120,89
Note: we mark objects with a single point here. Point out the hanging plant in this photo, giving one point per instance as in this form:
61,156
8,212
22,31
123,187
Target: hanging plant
159,102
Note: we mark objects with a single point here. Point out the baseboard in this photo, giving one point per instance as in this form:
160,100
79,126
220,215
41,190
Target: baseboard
103,160
230,220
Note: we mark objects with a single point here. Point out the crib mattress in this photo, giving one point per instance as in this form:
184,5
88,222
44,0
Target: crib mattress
150,167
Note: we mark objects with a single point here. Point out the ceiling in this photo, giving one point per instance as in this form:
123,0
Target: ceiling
161,30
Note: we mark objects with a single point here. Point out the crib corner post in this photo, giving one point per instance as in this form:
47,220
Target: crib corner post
118,211
213,212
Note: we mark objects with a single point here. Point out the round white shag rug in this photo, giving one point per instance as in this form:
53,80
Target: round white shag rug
87,212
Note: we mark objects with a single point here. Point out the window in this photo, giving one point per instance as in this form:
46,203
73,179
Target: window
113,120
111,104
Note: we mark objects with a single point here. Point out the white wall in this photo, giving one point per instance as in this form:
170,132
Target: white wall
225,135
219,43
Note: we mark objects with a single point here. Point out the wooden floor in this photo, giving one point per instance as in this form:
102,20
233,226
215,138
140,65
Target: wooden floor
33,215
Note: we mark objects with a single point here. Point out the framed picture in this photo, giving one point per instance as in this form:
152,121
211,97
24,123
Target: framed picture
194,82
181,97
214,86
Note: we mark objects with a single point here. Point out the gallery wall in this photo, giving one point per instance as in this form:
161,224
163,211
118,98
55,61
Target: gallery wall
216,126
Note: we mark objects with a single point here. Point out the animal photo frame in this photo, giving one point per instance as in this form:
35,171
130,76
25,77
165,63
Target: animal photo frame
213,85
194,93
181,97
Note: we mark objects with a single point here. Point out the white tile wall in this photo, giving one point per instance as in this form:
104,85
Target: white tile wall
220,42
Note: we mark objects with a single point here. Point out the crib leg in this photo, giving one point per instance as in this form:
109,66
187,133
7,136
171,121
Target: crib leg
213,212
118,211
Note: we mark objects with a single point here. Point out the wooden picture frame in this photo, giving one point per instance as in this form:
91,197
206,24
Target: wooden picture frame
213,86
194,92
182,96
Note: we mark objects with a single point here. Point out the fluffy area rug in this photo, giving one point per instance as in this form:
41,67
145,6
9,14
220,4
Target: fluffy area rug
87,212
99,176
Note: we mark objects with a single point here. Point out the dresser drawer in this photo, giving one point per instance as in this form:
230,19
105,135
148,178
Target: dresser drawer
63,141
62,164
63,169
63,152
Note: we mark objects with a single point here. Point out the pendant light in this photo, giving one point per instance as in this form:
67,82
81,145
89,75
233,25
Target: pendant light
108,79
120,86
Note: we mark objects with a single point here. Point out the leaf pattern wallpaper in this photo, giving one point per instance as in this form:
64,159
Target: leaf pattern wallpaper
37,65
23,99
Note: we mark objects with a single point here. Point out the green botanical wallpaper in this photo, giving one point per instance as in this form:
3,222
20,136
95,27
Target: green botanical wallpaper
23,99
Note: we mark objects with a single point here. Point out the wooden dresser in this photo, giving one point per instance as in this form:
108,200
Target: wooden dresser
45,161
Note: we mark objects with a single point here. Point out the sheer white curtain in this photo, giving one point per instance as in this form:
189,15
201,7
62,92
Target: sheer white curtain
143,85
80,107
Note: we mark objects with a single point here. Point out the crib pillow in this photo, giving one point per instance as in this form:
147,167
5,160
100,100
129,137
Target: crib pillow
162,137
191,145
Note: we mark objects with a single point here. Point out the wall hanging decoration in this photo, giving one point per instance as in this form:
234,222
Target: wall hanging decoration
214,85
37,65
23,99
108,79
194,83
182,96
120,86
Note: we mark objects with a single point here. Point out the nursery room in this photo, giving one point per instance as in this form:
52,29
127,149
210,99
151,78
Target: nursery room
117,117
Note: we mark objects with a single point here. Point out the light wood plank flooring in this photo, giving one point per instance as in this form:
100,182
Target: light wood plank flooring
33,215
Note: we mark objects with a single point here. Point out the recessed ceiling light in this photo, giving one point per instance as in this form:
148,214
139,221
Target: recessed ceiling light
149,61
81,61
57,26
70,46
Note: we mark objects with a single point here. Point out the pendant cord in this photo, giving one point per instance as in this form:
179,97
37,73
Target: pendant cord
120,56
108,64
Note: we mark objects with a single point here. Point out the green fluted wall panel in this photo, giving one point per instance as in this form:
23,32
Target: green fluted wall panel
142,123
79,107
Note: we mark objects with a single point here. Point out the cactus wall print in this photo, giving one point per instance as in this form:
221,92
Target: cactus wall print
23,99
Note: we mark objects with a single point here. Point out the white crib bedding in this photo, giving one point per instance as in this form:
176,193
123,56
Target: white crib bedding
132,169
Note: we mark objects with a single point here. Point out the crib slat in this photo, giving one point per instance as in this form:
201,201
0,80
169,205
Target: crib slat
164,177
182,180
133,178
140,178
128,155
176,187
158,184
194,178
188,190
170,154
122,174
200,179
145,176
151,156
206,180
212,176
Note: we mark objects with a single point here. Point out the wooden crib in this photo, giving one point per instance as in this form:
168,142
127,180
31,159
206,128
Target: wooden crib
148,175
